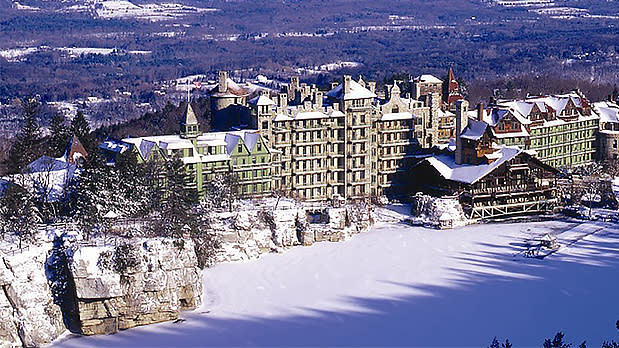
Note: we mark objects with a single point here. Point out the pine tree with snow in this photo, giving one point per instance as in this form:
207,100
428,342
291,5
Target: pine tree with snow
223,191
179,199
507,344
136,192
495,343
27,143
81,129
59,135
18,214
90,196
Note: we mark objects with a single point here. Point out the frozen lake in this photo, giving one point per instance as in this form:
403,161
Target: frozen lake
405,286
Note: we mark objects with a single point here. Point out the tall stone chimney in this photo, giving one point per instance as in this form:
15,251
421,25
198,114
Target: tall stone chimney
372,86
347,80
462,109
223,81
317,98
283,101
480,112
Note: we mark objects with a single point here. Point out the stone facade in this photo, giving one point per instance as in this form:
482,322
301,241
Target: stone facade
165,281
345,143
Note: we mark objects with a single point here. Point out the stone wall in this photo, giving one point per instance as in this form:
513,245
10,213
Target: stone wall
29,318
165,281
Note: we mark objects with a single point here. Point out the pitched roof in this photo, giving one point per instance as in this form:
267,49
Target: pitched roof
356,92
261,100
190,116
232,90
428,79
608,112
474,130
74,150
446,166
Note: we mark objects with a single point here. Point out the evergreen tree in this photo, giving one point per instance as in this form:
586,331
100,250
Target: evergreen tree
27,143
18,214
222,191
180,198
134,186
556,342
90,197
81,129
59,135
495,343
507,344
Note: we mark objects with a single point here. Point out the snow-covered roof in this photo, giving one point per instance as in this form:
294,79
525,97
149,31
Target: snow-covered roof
114,145
469,173
232,90
609,112
397,116
261,100
474,130
428,79
174,142
356,92
48,164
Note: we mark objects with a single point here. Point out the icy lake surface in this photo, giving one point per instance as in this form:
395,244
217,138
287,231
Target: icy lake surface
405,286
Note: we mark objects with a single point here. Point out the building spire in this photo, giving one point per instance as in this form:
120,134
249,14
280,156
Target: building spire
189,126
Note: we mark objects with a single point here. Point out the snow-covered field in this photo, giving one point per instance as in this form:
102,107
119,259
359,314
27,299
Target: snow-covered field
406,286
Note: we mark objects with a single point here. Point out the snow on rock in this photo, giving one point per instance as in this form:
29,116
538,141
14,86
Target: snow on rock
163,280
263,227
438,212
29,316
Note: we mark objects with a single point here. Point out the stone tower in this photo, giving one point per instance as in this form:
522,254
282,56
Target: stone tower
462,109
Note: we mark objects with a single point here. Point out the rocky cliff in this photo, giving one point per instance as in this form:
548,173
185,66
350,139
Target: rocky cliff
247,233
134,284
29,316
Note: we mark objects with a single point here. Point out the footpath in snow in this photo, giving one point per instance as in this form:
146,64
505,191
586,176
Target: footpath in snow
406,286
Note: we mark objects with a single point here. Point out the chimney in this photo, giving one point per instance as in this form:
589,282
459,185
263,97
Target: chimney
462,109
318,98
611,98
347,80
372,86
480,112
294,82
283,101
333,85
223,81
417,94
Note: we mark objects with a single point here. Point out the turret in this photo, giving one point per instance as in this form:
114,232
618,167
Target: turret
189,126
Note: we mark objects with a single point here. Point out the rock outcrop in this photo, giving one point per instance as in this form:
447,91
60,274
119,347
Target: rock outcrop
29,316
247,233
143,283
441,213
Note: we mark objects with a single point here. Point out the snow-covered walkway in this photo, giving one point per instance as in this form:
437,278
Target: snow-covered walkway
405,286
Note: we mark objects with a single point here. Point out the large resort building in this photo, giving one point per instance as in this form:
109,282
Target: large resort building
354,141
561,129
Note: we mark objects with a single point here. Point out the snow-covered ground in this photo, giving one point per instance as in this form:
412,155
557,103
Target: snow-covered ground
406,286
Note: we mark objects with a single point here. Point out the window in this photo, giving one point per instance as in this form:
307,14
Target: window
265,125
240,148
